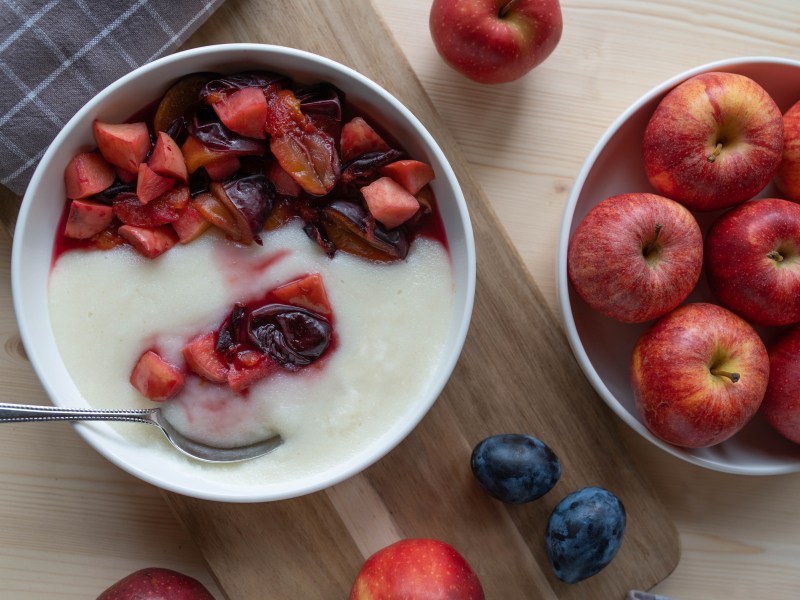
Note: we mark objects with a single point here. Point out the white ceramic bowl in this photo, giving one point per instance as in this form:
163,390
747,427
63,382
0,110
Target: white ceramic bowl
41,210
603,346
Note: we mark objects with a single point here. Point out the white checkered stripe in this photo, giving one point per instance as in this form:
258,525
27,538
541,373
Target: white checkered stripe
56,54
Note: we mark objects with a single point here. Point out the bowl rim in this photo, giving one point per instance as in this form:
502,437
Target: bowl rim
562,280
416,413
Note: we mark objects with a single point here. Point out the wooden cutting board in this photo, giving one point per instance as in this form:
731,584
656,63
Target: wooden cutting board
516,374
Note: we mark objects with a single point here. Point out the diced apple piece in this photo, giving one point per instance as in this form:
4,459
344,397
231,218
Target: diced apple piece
244,112
125,144
358,138
167,208
223,167
150,185
156,378
202,359
284,184
241,377
167,159
149,241
389,202
87,174
411,174
306,292
87,218
190,225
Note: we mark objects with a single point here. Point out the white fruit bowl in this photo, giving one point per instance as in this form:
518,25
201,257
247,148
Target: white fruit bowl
602,346
42,208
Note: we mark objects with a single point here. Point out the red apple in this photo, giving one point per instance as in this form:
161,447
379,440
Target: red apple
416,568
753,261
635,257
495,41
714,141
698,375
781,406
155,583
788,177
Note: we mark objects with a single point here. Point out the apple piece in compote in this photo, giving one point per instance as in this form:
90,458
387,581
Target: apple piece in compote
358,138
150,185
86,219
167,159
389,202
149,241
156,378
411,174
124,145
87,174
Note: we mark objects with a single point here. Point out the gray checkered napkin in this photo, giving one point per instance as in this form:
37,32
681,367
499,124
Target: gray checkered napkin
57,54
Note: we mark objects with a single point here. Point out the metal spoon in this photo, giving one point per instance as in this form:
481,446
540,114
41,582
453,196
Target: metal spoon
20,413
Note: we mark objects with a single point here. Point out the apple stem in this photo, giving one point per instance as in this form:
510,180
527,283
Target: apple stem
715,153
775,255
648,247
734,377
504,10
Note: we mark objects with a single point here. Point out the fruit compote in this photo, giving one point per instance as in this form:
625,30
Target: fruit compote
258,257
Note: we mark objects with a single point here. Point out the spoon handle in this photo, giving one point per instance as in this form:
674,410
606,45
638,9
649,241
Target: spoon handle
20,413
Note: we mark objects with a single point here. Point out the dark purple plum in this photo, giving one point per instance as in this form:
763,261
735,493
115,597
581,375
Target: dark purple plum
366,168
584,533
350,228
210,131
249,199
515,468
291,336
224,86
320,99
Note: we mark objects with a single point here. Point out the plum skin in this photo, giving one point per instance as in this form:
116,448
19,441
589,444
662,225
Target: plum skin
515,468
584,533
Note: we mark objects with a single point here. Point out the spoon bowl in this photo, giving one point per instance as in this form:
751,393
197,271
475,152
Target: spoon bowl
21,413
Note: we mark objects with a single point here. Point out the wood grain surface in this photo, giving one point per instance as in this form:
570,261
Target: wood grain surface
70,523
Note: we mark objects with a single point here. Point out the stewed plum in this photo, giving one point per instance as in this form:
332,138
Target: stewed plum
290,335
255,340
261,150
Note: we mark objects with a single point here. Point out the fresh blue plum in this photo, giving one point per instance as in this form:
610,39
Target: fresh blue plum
515,468
584,533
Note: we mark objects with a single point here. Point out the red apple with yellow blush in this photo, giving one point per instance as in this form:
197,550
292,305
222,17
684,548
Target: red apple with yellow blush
713,141
753,261
417,568
634,257
788,177
781,406
495,41
698,375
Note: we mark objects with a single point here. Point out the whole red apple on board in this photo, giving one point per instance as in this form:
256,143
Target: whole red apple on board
698,375
635,257
155,583
416,568
781,406
788,177
714,141
495,41
753,261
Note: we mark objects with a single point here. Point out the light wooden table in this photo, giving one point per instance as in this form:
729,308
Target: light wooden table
71,523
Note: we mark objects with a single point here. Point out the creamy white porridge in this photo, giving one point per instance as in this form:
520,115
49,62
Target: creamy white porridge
391,322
